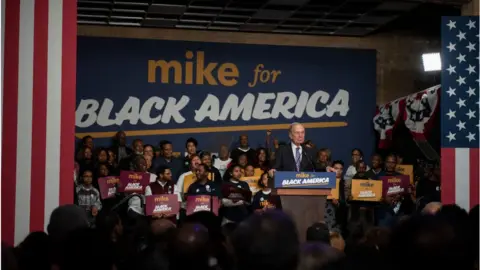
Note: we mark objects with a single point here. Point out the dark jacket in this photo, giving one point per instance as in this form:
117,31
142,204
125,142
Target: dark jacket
285,159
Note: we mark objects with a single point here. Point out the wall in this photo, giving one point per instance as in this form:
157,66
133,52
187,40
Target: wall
399,67
471,9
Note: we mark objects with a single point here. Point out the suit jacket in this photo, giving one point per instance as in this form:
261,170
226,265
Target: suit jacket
285,159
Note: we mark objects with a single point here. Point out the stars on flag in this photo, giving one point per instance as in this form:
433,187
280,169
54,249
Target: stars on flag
451,47
471,47
451,91
451,69
471,91
470,69
452,24
471,24
451,114
460,82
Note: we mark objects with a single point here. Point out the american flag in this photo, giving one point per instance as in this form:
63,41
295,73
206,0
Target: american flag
460,111
38,115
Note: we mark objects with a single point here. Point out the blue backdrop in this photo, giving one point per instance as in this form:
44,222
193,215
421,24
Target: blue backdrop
157,88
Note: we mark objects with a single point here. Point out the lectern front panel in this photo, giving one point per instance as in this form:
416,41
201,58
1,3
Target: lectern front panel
305,210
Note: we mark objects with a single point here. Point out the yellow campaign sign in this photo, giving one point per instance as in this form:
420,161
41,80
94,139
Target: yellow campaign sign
190,179
367,190
335,192
252,182
258,172
406,170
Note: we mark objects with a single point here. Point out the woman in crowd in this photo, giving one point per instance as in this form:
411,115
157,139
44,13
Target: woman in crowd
263,200
263,159
241,161
206,158
323,159
86,162
235,210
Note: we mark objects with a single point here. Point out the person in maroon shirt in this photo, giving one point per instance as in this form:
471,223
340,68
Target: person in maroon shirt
163,185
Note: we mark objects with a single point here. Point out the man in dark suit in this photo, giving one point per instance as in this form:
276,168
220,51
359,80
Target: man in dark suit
294,156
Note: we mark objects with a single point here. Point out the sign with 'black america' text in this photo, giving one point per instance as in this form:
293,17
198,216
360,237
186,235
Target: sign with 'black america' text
211,91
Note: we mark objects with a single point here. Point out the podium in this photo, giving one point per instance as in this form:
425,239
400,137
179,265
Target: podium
304,195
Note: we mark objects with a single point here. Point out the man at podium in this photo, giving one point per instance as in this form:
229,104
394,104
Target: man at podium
293,156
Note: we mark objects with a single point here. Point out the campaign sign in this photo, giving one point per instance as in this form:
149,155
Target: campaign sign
164,204
306,180
199,203
335,192
133,182
367,190
406,170
395,184
252,182
107,186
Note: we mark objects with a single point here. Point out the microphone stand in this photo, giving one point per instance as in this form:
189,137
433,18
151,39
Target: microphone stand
308,159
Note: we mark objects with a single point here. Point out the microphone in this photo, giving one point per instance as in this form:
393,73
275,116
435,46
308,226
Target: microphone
308,159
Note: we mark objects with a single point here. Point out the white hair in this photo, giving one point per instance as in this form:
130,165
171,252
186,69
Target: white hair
292,125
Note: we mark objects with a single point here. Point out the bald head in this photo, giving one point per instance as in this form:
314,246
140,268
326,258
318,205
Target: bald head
297,133
190,247
192,237
160,226
432,208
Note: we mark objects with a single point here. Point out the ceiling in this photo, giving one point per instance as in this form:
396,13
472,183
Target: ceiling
307,17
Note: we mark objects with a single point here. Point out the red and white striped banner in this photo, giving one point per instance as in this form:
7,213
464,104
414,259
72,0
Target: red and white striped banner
460,176
39,73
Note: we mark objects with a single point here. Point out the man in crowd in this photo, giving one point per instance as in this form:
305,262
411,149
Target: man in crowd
120,148
127,164
243,148
377,167
167,159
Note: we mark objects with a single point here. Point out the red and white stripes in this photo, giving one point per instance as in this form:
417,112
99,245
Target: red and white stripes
460,176
38,112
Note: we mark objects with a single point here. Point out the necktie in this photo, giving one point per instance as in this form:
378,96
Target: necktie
297,158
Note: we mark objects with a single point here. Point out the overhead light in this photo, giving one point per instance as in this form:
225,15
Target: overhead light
431,62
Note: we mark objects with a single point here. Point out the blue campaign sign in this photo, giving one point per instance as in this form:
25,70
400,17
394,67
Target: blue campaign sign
305,180
158,89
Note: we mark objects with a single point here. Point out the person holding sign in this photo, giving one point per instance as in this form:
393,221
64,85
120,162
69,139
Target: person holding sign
236,197
377,167
331,206
263,199
396,205
360,210
163,185
135,207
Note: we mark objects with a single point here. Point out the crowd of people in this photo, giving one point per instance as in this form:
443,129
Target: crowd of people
407,230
